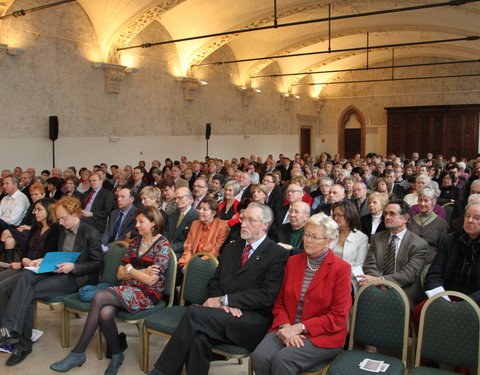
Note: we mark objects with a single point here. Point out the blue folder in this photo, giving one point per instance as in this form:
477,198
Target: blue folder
50,260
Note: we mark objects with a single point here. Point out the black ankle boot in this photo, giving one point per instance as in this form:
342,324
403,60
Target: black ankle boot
9,255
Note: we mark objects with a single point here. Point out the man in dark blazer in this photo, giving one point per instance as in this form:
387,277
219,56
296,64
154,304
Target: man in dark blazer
122,219
17,319
241,297
275,195
177,231
97,203
408,258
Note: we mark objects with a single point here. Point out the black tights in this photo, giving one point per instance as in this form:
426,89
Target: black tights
102,313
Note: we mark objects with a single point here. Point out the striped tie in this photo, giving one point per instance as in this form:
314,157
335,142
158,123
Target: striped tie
389,262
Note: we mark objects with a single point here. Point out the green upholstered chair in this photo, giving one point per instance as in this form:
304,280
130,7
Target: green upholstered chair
73,303
449,333
380,319
198,273
448,211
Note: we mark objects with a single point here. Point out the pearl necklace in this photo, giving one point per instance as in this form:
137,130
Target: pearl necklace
310,267
146,246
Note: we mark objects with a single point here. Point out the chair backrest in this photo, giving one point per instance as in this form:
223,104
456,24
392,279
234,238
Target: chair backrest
381,317
449,332
448,212
198,273
171,276
113,258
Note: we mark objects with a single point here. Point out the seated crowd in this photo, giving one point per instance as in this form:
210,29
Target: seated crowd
414,222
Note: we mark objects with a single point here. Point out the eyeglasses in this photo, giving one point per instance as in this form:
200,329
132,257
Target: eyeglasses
267,182
249,220
181,197
293,191
307,236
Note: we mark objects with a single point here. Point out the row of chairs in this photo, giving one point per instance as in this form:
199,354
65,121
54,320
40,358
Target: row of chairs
449,332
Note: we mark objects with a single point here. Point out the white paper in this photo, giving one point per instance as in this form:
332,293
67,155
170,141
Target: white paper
33,269
357,271
430,293
372,365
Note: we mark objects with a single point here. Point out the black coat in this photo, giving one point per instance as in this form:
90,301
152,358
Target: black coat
252,288
89,264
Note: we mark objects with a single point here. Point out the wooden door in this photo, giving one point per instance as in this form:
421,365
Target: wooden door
353,142
305,141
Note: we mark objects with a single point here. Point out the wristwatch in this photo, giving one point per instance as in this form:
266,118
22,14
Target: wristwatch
303,327
221,300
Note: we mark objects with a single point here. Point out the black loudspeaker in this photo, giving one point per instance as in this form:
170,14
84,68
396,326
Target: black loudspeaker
208,131
53,128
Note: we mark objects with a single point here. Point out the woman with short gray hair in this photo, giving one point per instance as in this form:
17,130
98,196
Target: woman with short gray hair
310,321
427,224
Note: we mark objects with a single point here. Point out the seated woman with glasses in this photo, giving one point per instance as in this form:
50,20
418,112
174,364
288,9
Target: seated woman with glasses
312,307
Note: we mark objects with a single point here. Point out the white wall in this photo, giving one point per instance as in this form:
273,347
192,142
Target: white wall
87,151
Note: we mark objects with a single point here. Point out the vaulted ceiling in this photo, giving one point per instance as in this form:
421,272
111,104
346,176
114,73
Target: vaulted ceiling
117,22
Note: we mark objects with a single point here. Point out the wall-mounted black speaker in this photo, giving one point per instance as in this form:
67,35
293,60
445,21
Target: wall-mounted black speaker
208,131
53,128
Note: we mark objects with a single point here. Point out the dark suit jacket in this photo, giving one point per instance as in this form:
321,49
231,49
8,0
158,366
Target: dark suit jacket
89,264
399,191
283,233
101,208
107,185
128,225
366,222
280,213
137,201
443,266
275,199
408,264
328,295
75,194
177,236
252,288
325,208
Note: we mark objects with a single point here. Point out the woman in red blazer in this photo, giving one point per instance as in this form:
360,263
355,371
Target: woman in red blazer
312,307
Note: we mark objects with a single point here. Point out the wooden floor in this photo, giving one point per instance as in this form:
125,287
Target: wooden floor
49,350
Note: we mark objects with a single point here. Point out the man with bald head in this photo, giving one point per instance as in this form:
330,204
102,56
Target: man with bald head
290,235
335,194
294,193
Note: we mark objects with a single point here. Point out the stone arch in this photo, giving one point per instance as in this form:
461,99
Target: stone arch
344,119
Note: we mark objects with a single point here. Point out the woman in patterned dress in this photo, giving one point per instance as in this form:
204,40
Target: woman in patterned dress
142,281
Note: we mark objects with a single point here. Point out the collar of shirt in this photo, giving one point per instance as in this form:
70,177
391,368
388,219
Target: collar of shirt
126,211
257,243
400,238
15,195
74,230
186,211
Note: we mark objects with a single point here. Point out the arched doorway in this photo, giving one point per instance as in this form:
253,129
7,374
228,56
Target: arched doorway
351,133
